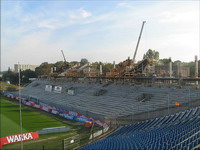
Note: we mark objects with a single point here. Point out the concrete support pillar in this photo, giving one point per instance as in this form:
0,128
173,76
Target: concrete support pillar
51,69
170,71
196,68
114,65
179,69
101,70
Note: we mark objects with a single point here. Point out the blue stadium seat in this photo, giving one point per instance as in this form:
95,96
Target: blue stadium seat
178,131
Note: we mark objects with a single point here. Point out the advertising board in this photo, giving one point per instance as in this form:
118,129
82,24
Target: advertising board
57,89
18,137
48,88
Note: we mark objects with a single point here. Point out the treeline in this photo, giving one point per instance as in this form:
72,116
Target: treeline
13,77
46,68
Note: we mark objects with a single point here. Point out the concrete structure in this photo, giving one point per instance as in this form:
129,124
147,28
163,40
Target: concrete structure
177,70
24,67
196,67
101,70
54,130
170,69
114,65
111,102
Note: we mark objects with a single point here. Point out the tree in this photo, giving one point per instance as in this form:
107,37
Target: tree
59,66
177,62
72,63
83,61
151,54
10,76
25,75
44,69
107,67
165,61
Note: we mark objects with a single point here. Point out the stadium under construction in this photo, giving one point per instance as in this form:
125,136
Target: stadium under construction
151,110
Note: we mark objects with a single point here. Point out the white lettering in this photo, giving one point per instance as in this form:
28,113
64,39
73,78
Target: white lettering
30,136
25,137
10,139
17,138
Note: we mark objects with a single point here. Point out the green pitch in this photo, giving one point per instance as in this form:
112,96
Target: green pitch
32,121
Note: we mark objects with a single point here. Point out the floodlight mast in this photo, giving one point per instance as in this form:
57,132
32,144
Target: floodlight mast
138,41
20,105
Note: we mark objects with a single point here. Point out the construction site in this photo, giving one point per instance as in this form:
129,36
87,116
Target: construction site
129,92
100,75
129,70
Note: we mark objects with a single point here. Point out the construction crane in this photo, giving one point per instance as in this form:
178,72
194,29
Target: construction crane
66,65
138,41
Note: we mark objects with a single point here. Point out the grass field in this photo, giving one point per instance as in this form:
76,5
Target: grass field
5,86
34,120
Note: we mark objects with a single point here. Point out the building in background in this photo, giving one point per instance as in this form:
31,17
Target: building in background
24,67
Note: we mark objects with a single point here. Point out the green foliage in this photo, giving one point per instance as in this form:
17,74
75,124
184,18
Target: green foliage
105,66
44,69
72,63
151,54
165,61
59,66
11,89
191,65
10,76
83,61
25,75
14,77
5,86
177,62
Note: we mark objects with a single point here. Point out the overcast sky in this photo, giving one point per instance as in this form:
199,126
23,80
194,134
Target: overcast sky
33,32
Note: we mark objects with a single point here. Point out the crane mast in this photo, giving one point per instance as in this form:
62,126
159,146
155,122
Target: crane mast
138,41
64,59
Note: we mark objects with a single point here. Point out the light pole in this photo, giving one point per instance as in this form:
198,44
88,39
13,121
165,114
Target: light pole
20,105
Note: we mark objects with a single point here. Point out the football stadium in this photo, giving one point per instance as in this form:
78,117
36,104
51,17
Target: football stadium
133,112
148,104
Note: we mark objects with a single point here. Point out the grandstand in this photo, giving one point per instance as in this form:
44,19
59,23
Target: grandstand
173,132
110,102
155,116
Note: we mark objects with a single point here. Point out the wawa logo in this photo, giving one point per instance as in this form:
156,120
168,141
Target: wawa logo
18,137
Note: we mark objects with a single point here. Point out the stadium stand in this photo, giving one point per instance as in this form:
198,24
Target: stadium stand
110,101
174,132
154,113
